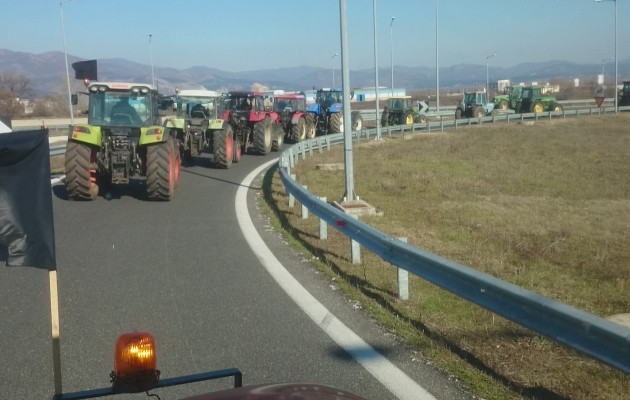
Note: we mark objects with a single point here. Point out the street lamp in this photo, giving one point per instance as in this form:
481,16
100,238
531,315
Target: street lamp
65,52
378,125
488,76
604,61
391,48
437,63
333,67
615,91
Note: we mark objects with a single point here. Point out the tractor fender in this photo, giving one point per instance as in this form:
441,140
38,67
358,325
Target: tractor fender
275,116
313,108
296,117
86,134
153,134
177,123
335,108
489,108
255,116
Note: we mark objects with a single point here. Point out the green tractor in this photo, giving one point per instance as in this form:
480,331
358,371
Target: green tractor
623,97
123,138
400,111
508,100
199,129
534,101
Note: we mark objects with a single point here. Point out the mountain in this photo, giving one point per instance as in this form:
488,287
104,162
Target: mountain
48,75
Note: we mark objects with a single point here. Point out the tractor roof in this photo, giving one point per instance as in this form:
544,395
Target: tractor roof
244,93
198,93
290,96
399,97
122,85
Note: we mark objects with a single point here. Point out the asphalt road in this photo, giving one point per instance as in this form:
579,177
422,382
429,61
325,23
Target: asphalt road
197,277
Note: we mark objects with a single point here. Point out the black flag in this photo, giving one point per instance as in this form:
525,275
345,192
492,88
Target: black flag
26,214
85,70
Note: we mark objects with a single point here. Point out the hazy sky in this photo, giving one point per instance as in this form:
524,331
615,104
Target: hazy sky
243,35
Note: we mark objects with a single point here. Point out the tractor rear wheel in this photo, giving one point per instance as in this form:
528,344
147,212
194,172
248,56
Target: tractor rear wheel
223,148
278,140
262,136
336,123
236,154
385,118
80,174
162,171
537,107
299,131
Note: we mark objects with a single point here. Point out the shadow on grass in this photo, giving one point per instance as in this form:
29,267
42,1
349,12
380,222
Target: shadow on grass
374,293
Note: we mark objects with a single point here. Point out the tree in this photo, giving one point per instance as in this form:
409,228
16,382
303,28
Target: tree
18,84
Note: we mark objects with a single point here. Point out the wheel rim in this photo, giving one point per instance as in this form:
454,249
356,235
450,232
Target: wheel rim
409,119
538,108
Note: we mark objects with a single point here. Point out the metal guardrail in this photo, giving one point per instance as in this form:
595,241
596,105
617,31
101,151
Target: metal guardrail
601,339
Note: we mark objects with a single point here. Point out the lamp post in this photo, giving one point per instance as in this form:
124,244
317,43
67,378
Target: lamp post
437,63
151,55
378,125
65,52
604,61
616,71
333,67
488,75
391,52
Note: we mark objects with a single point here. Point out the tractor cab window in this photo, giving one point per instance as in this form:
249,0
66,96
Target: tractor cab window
117,108
469,98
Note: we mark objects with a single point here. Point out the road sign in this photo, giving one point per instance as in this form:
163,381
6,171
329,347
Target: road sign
599,95
599,100
422,107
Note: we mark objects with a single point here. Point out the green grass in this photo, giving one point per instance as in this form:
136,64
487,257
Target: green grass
546,207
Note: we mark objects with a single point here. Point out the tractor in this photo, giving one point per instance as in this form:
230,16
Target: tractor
122,139
292,117
623,97
400,111
326,114
509,99
474,105
533,101
198,129
255,124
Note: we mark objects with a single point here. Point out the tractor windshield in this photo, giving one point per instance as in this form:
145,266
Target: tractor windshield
329,98
187,105
289,105
470,98
121,108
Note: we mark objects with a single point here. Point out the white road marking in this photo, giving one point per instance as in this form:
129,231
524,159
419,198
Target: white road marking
395,380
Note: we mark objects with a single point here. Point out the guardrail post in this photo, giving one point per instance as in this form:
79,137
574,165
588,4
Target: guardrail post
403,279
319,145
291,198
323,226
303,148
291,158
327,143
355,248
310,148
304,208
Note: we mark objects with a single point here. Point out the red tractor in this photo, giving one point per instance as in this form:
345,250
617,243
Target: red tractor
291,110
255,124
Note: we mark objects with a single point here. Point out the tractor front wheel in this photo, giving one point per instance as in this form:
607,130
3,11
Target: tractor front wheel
278,140
299,130
557,107
162,171
503,105
223,148
357,122
336,123
80,171
408,118
459,113
262,136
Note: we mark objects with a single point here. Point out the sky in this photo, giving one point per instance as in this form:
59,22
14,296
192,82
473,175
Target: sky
245,35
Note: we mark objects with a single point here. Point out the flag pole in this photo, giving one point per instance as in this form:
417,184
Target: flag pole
54,319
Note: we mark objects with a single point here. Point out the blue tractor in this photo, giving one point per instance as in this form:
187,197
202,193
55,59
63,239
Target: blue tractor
326,114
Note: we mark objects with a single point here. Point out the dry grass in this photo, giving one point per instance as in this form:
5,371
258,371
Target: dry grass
546,207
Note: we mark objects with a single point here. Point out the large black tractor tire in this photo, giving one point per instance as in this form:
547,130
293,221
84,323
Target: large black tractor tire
278,134
357,122
537,107
263,132
479,112
236,154
299,130
162,171
80,174
223,148
459,113
336,123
